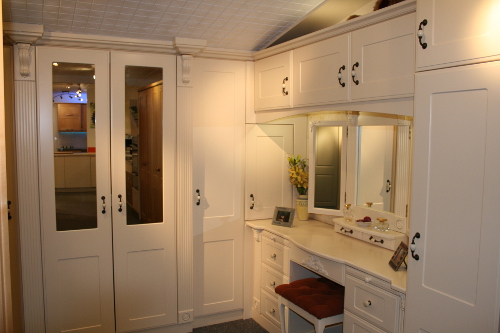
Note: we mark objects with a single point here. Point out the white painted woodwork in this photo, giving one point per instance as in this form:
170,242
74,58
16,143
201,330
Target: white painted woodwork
267,147
144,254
218,156
453,287
272,82
315,72
354,324
77,265
385,53
456,34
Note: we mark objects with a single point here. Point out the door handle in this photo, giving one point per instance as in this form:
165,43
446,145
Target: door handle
198,197
339,76
120,203
420,33
253,201
413,246
103,198
353,73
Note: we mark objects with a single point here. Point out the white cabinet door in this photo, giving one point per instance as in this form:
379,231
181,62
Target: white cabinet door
218,156
273,82
267,183
457,33
382,59
316,69
144,248
453,286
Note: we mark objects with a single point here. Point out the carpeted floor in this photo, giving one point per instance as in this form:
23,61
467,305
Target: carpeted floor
237,326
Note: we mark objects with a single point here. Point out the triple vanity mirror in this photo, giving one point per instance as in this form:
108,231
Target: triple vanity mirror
361,159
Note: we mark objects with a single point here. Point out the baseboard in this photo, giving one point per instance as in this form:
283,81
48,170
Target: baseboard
217,318
264,322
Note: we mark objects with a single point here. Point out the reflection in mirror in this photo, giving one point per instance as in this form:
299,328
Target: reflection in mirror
143,144
74,146
375,172
327,167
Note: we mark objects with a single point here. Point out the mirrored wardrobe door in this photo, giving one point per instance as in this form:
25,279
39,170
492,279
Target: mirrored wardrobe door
73,90
143,132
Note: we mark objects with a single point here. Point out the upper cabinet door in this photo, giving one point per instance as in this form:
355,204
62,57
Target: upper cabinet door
382,60
273,82
321,72
454,34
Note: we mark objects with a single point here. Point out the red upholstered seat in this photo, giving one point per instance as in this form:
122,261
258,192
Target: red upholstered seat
320,297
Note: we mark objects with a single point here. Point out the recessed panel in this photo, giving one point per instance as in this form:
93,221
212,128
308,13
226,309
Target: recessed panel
218,276
79,293
310,75
270,158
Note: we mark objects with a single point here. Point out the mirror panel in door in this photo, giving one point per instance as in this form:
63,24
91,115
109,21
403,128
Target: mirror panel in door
74,146
375,169
143,144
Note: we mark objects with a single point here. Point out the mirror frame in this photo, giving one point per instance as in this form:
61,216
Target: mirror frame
313,125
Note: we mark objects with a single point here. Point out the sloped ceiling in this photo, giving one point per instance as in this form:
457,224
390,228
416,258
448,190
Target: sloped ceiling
248,25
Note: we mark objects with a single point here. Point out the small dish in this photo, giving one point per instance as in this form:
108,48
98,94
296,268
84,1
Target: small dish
363,224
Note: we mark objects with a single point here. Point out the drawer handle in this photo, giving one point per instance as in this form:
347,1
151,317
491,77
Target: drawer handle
272,312
345,231
283,87
273,284
420,33
373,240
368,279
273,239
339,76
273,256
367,303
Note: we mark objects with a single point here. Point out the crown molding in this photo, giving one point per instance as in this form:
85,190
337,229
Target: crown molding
22,32
399,9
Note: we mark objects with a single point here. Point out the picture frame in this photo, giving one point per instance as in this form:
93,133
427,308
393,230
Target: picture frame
399,256
283,216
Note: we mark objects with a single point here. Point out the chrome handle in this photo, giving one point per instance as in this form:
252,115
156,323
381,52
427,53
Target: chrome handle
367,303
198,197
103,198
345,231
339,76
253,201
353,73
284,86
120,203
413,246
420,33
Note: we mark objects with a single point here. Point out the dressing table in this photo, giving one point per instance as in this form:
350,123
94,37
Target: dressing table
374,293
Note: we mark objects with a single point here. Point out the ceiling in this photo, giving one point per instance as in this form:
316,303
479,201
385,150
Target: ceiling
249,25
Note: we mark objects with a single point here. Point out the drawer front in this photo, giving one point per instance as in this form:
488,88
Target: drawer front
353,324
348,231
269,308
330,269
372,304
273,254
273,237
270,279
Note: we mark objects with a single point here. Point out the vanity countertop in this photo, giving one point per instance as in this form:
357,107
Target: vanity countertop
321,239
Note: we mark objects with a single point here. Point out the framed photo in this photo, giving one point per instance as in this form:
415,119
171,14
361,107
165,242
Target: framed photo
283,216
399,256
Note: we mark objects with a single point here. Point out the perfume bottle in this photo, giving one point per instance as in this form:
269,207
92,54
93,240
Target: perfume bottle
348,212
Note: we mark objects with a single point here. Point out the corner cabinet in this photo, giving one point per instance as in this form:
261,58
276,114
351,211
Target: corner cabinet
452,34
273,82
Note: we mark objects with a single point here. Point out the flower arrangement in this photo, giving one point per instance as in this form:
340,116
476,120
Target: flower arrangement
299,177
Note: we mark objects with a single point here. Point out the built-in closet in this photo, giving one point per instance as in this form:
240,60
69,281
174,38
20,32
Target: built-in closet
120,267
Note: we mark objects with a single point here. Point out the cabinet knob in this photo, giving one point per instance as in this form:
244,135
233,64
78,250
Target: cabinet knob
368,279
273,284
273,256
367,303
272,312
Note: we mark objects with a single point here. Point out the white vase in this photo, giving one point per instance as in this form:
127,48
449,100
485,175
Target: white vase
301,208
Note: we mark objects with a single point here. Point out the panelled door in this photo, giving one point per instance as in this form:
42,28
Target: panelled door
76,221
218,179
453,277
143,141
93,230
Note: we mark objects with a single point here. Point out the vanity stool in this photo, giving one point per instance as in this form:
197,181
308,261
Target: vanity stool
319,301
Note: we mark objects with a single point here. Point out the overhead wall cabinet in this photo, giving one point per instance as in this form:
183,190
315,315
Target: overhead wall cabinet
371,63
71,117
273,82
451,35
218,185
453,278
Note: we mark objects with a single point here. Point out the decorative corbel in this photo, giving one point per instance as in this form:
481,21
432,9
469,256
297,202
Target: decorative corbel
24,59
187,48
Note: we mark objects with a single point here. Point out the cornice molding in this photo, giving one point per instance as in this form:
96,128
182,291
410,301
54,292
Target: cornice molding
399,9
22,32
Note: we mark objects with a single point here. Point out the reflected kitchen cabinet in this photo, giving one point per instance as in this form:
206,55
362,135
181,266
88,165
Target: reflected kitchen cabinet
71,117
